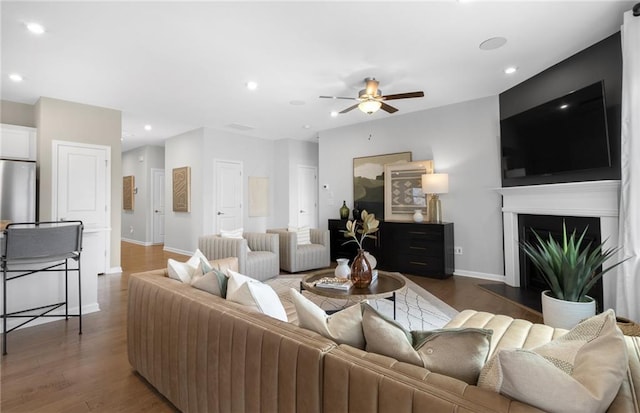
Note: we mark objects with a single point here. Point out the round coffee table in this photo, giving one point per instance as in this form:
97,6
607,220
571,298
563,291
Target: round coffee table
385,286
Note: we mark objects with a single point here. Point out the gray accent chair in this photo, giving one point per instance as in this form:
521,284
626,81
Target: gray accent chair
296,258
261,263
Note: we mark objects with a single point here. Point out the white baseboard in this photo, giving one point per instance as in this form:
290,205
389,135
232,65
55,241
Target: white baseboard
177,251
114,270
86,309
134,241
480,275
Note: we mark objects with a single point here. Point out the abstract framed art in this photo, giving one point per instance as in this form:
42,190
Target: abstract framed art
182,189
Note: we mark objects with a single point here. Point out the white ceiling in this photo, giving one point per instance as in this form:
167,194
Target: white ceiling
182,65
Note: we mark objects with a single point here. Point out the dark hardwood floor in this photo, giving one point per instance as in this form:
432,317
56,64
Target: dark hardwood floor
50,368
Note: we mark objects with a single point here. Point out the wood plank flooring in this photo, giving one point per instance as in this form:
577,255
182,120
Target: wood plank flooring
50,368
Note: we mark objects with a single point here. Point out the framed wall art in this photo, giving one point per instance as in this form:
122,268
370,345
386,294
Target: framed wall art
403,189
182,189
128,186
368,180
258,196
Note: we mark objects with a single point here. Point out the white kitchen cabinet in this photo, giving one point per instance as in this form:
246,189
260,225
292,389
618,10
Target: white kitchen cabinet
18,142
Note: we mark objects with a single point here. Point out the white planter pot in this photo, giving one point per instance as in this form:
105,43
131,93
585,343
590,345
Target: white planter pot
565,314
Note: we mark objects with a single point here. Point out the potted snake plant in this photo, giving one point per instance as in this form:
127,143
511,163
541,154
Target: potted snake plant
570,270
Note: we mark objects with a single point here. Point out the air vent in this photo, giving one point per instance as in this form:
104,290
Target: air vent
237,126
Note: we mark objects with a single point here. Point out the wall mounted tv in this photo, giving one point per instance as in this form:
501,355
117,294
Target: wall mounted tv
564,135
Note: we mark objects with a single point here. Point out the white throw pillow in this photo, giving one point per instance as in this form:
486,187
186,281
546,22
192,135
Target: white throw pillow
304,235
251,292
579,372
234,234
343,327
183,271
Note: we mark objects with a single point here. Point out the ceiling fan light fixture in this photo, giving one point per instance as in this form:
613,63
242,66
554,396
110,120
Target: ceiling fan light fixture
369,106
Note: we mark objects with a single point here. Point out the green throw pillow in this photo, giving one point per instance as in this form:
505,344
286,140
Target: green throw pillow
455,352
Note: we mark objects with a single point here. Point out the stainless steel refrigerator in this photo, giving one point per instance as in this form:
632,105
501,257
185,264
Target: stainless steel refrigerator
17,191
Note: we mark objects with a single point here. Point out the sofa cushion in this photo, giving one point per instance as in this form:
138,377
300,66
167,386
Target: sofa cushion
458,352
344,327
252,293
183,271
578,372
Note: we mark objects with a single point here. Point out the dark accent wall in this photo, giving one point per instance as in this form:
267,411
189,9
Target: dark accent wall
602,61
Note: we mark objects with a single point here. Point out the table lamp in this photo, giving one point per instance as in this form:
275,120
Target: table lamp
435,184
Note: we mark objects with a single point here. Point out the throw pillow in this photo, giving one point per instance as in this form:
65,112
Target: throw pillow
212,281
455,352
235,234
578,372
183,271
304,234
251,292
343,327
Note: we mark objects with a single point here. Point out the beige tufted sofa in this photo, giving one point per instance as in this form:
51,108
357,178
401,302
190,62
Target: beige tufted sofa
205,354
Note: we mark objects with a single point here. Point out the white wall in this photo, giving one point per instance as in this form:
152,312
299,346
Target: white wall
182,229
463,141
139,162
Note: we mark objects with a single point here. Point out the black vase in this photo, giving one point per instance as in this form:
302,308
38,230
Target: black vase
356,212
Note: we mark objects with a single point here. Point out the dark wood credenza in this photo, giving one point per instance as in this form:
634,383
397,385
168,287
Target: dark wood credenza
424,249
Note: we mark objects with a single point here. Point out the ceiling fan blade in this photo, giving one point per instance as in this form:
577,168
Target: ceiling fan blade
404,96
337,97
388,108
350,108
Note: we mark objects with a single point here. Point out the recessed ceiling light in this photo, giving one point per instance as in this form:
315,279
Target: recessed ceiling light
147,127
334,114
493,43
510,70
564,106
307,126
15,77
252,85
35,28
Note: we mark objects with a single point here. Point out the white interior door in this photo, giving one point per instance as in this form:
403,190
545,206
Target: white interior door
228,179
307,196
157,196
81,183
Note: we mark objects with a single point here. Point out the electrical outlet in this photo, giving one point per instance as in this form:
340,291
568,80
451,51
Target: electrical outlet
457,250
131,229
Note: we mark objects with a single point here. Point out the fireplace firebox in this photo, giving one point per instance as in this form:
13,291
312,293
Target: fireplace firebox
530,277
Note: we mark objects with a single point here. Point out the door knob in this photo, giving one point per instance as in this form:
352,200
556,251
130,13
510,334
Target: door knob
220,213
156,211
302,211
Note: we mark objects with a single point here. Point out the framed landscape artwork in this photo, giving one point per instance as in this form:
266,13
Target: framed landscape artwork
368,180
182,189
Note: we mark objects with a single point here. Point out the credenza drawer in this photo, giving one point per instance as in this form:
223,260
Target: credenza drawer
420,265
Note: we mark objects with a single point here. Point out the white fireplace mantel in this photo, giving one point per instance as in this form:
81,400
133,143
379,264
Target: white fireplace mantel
598,199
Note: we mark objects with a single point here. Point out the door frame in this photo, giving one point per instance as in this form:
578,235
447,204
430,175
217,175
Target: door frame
55,145
314,217
214,210
152,207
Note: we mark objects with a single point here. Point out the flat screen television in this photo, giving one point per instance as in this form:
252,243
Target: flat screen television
564,135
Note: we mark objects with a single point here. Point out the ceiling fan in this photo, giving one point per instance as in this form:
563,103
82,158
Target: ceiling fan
371,98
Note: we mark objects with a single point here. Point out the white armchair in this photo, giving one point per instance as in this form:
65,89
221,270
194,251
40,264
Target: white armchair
261,262
296,258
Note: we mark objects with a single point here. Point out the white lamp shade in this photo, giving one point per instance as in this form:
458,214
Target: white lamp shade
435,183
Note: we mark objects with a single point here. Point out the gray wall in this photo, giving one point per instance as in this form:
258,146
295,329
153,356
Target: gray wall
276,160
76,122
463,141
14,113
137,224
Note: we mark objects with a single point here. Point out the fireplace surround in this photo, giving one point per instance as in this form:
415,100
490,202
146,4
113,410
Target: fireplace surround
596,199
